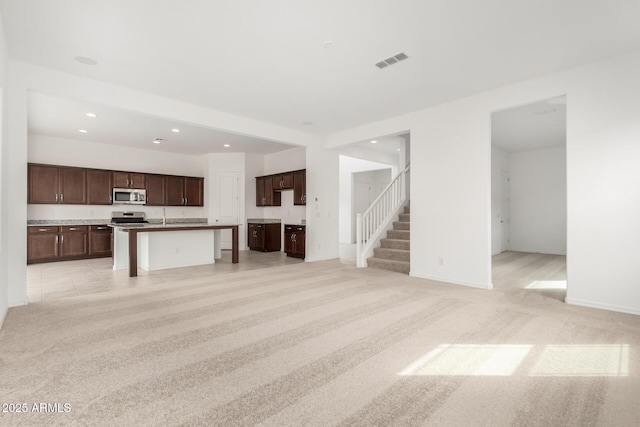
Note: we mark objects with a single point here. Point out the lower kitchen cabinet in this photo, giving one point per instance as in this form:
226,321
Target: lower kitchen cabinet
42,243
74,241
295,240
100,240
64,243
264,237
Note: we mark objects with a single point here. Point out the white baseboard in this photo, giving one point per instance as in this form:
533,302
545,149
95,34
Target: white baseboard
3,315
18,303
610,307
449,281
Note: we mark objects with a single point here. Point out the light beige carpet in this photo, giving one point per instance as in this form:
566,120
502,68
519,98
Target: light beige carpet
319,344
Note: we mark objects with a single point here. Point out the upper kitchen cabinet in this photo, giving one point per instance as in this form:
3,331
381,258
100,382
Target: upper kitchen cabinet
184,191
129,180
156,190
99,186
300,187
265,192
44,184
193,191
54,184
283,181
260,199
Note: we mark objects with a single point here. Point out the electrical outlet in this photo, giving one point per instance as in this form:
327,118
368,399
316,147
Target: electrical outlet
440,261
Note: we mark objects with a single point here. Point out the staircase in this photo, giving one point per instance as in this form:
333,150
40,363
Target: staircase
393,253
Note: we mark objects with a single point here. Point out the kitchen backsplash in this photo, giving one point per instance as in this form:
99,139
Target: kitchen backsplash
48,212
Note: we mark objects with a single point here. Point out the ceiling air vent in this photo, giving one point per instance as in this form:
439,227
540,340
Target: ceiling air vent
392,60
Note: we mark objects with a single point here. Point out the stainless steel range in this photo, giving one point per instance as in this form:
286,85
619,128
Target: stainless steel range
128,218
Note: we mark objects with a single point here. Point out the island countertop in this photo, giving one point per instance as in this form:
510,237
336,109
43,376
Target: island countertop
134,229
171,226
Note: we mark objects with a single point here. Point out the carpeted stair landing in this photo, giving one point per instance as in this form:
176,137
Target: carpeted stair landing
393,253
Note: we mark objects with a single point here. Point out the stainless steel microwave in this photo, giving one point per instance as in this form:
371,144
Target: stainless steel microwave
129,196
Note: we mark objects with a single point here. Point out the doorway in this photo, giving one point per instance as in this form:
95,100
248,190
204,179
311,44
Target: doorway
528,200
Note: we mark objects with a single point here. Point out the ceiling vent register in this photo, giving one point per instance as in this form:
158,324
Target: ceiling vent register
393,60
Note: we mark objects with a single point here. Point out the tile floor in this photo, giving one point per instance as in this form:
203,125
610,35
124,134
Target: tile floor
47,281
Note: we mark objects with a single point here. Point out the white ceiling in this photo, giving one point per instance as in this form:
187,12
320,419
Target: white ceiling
531,127
54,116
266,60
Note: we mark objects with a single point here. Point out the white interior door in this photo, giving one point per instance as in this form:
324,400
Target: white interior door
361,201
505,216
227,204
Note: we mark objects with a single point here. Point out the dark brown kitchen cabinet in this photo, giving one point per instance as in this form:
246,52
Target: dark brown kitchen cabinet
269,188
193,191
99,187
74,241
283,181
260,199
50,184
265,193
185,191
57,184
63,243
300,187
42,243
156,190
73,186
44,184
264,237
100,240
295,240
129,180
175,191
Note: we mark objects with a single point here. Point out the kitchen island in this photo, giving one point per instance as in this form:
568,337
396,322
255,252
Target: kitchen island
187,245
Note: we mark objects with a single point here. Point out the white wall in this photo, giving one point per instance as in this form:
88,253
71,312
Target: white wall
322,204
69,152
286,160
499,163
349,166
254,166
451,205
4,181
14,191
539,201
377,181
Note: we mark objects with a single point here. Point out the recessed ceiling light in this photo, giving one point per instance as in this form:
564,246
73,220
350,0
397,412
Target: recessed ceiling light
227,145
158,140
176,130
86,61
374,142
398,149
82,130
92,115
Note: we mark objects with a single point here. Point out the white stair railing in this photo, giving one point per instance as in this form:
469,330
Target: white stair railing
376,219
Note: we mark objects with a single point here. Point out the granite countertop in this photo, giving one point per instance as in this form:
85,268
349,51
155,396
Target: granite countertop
264,220
61,222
